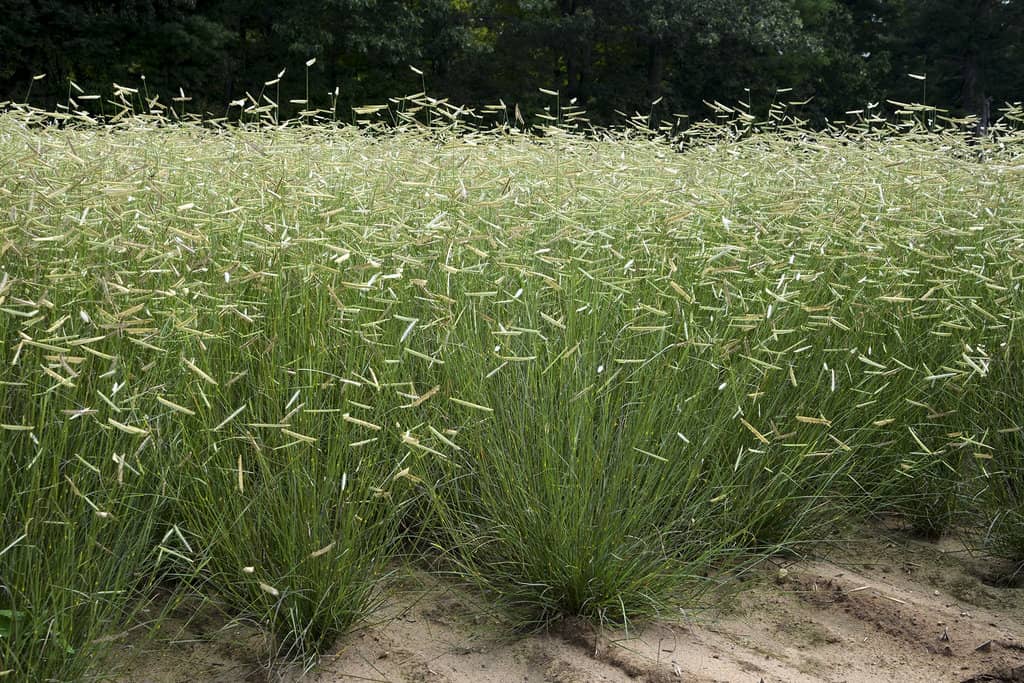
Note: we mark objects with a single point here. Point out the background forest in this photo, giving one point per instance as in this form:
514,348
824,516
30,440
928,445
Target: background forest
609,54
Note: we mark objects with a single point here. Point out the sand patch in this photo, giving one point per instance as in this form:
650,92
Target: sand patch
890,609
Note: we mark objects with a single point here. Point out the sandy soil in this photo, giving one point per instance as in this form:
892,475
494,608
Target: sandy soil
881,610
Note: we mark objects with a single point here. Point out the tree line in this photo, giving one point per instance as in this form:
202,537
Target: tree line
611,57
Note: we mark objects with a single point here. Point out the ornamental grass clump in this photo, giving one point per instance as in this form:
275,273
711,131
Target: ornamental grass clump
595,374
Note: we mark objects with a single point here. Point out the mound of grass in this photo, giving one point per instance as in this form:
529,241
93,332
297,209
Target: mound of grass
581,371
1000,460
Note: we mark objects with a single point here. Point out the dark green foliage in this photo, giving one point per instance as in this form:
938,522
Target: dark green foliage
610,55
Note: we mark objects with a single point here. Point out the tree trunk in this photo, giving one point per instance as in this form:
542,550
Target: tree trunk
972,89
239,68
655,68
571,41
572,83
582,82
972,94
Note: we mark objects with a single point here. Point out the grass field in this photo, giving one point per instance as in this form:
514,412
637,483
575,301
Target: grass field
594,375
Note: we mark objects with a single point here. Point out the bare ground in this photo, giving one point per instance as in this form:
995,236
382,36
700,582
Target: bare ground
894,609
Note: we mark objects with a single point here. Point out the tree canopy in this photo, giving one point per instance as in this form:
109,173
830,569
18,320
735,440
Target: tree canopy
608,55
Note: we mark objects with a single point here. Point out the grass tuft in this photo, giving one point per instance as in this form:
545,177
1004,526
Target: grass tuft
587,372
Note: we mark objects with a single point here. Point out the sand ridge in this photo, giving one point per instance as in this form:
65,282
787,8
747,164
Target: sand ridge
883,610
